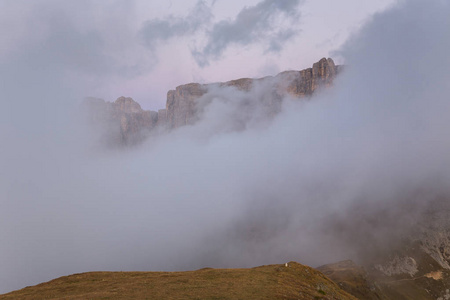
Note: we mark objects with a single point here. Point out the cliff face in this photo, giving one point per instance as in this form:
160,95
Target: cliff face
124,122
181,103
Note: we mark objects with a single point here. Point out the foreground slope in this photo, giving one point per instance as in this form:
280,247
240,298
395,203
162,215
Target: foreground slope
294,281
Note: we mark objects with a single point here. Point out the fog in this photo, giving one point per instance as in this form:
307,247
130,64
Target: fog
351,168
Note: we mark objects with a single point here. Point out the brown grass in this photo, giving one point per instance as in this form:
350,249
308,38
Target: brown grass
266,282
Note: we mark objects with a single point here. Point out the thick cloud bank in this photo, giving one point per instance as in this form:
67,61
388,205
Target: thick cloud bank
353,166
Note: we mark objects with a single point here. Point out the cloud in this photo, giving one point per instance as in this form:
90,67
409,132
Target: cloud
354,169
270,23
155,31
355,166
78,35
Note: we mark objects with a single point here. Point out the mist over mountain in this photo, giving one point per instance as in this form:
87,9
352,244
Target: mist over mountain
346,172
124,123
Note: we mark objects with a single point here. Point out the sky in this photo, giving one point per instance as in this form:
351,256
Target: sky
350,171
142,49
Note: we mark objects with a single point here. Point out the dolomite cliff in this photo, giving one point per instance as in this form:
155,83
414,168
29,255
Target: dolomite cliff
124,122
181,102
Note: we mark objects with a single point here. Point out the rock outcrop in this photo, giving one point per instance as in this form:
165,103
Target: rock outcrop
124,122
416,267
371,283
180,105
181,102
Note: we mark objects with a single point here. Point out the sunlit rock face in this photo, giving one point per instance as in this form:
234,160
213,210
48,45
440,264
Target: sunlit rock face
127,105
124,122
181,105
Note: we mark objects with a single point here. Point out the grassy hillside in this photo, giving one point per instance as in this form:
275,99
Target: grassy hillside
295,281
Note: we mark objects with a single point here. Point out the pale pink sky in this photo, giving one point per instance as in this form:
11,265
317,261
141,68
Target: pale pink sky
100,43
324,25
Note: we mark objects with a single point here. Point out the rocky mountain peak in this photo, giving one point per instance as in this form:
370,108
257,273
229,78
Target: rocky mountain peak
324,69
182,102
127,105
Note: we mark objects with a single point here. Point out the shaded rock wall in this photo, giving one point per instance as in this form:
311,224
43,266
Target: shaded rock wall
122,122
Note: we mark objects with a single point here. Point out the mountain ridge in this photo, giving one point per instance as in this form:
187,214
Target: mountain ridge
131,124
